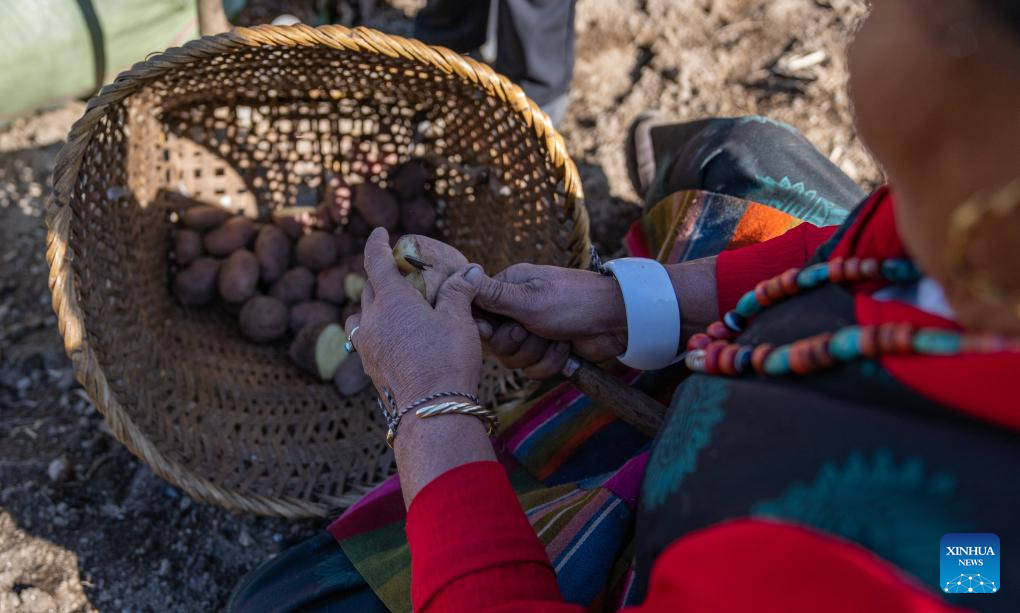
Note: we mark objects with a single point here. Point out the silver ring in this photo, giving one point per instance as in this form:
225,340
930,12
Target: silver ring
349,345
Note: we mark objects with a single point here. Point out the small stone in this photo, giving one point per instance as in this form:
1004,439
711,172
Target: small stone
164,567
245,539
58,470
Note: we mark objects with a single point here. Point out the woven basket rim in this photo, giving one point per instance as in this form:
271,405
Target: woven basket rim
71,320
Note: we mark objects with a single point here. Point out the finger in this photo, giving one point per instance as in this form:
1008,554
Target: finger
599,348
507,339
551,364
456,293
502,297
531,351
484,329
381,269
367,295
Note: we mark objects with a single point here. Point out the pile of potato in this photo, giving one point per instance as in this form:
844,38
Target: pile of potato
300,275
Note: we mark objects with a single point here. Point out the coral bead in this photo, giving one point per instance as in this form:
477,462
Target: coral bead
698,341
719,331
758,356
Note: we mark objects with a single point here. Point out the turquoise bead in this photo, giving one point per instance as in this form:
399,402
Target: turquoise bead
900,271
748,305
813,276
845,344
778,362
937,342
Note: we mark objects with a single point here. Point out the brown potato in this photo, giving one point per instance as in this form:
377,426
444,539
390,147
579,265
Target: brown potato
294,286
330,285
187,246
407,181
346,244
355,263
263,319
351,308
350,378
418,216
234,234
319,349
442,260
239,276
312,312
377,206
316,250
272,248
358,227
204,216
196,284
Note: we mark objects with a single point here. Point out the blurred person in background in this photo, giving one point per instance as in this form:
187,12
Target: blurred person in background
529,41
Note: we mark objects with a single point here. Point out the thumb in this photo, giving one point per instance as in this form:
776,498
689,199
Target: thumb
456,293
500,297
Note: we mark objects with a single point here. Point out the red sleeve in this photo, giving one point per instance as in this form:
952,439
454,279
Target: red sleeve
739,270
472,548
761,566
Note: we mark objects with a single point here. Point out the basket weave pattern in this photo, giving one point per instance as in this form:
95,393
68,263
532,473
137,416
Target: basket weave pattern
253,120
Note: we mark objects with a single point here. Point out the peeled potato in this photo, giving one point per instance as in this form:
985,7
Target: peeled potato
354,285
234,234
316,250
312,312
442,260
204,216
377,206
187,246
239,276
294,286
263,319
319,349
196,284
272,248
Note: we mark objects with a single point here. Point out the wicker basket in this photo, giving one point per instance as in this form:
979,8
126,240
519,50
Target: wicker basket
256,119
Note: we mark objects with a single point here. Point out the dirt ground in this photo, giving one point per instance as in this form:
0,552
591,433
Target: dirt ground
85,526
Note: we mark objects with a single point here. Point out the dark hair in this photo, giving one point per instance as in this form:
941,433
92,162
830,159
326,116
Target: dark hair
1007,10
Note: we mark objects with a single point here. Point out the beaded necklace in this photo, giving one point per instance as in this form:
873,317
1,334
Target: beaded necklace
712,351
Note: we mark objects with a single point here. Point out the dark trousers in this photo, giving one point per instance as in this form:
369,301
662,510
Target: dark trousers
535,39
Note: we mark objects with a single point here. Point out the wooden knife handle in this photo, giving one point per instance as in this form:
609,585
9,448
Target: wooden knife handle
631,405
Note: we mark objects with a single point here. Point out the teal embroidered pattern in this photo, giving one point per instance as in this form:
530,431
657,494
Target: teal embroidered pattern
895,510
696,410
797,200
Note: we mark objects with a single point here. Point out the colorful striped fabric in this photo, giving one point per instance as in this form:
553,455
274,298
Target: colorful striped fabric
577,469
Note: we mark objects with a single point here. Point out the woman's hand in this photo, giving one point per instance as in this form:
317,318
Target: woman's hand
554,310
406,345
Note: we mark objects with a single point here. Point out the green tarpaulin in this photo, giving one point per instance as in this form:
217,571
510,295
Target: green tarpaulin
49,49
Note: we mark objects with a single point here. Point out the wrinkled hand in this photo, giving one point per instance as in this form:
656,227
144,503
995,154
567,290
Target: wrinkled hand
554,310
408,346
